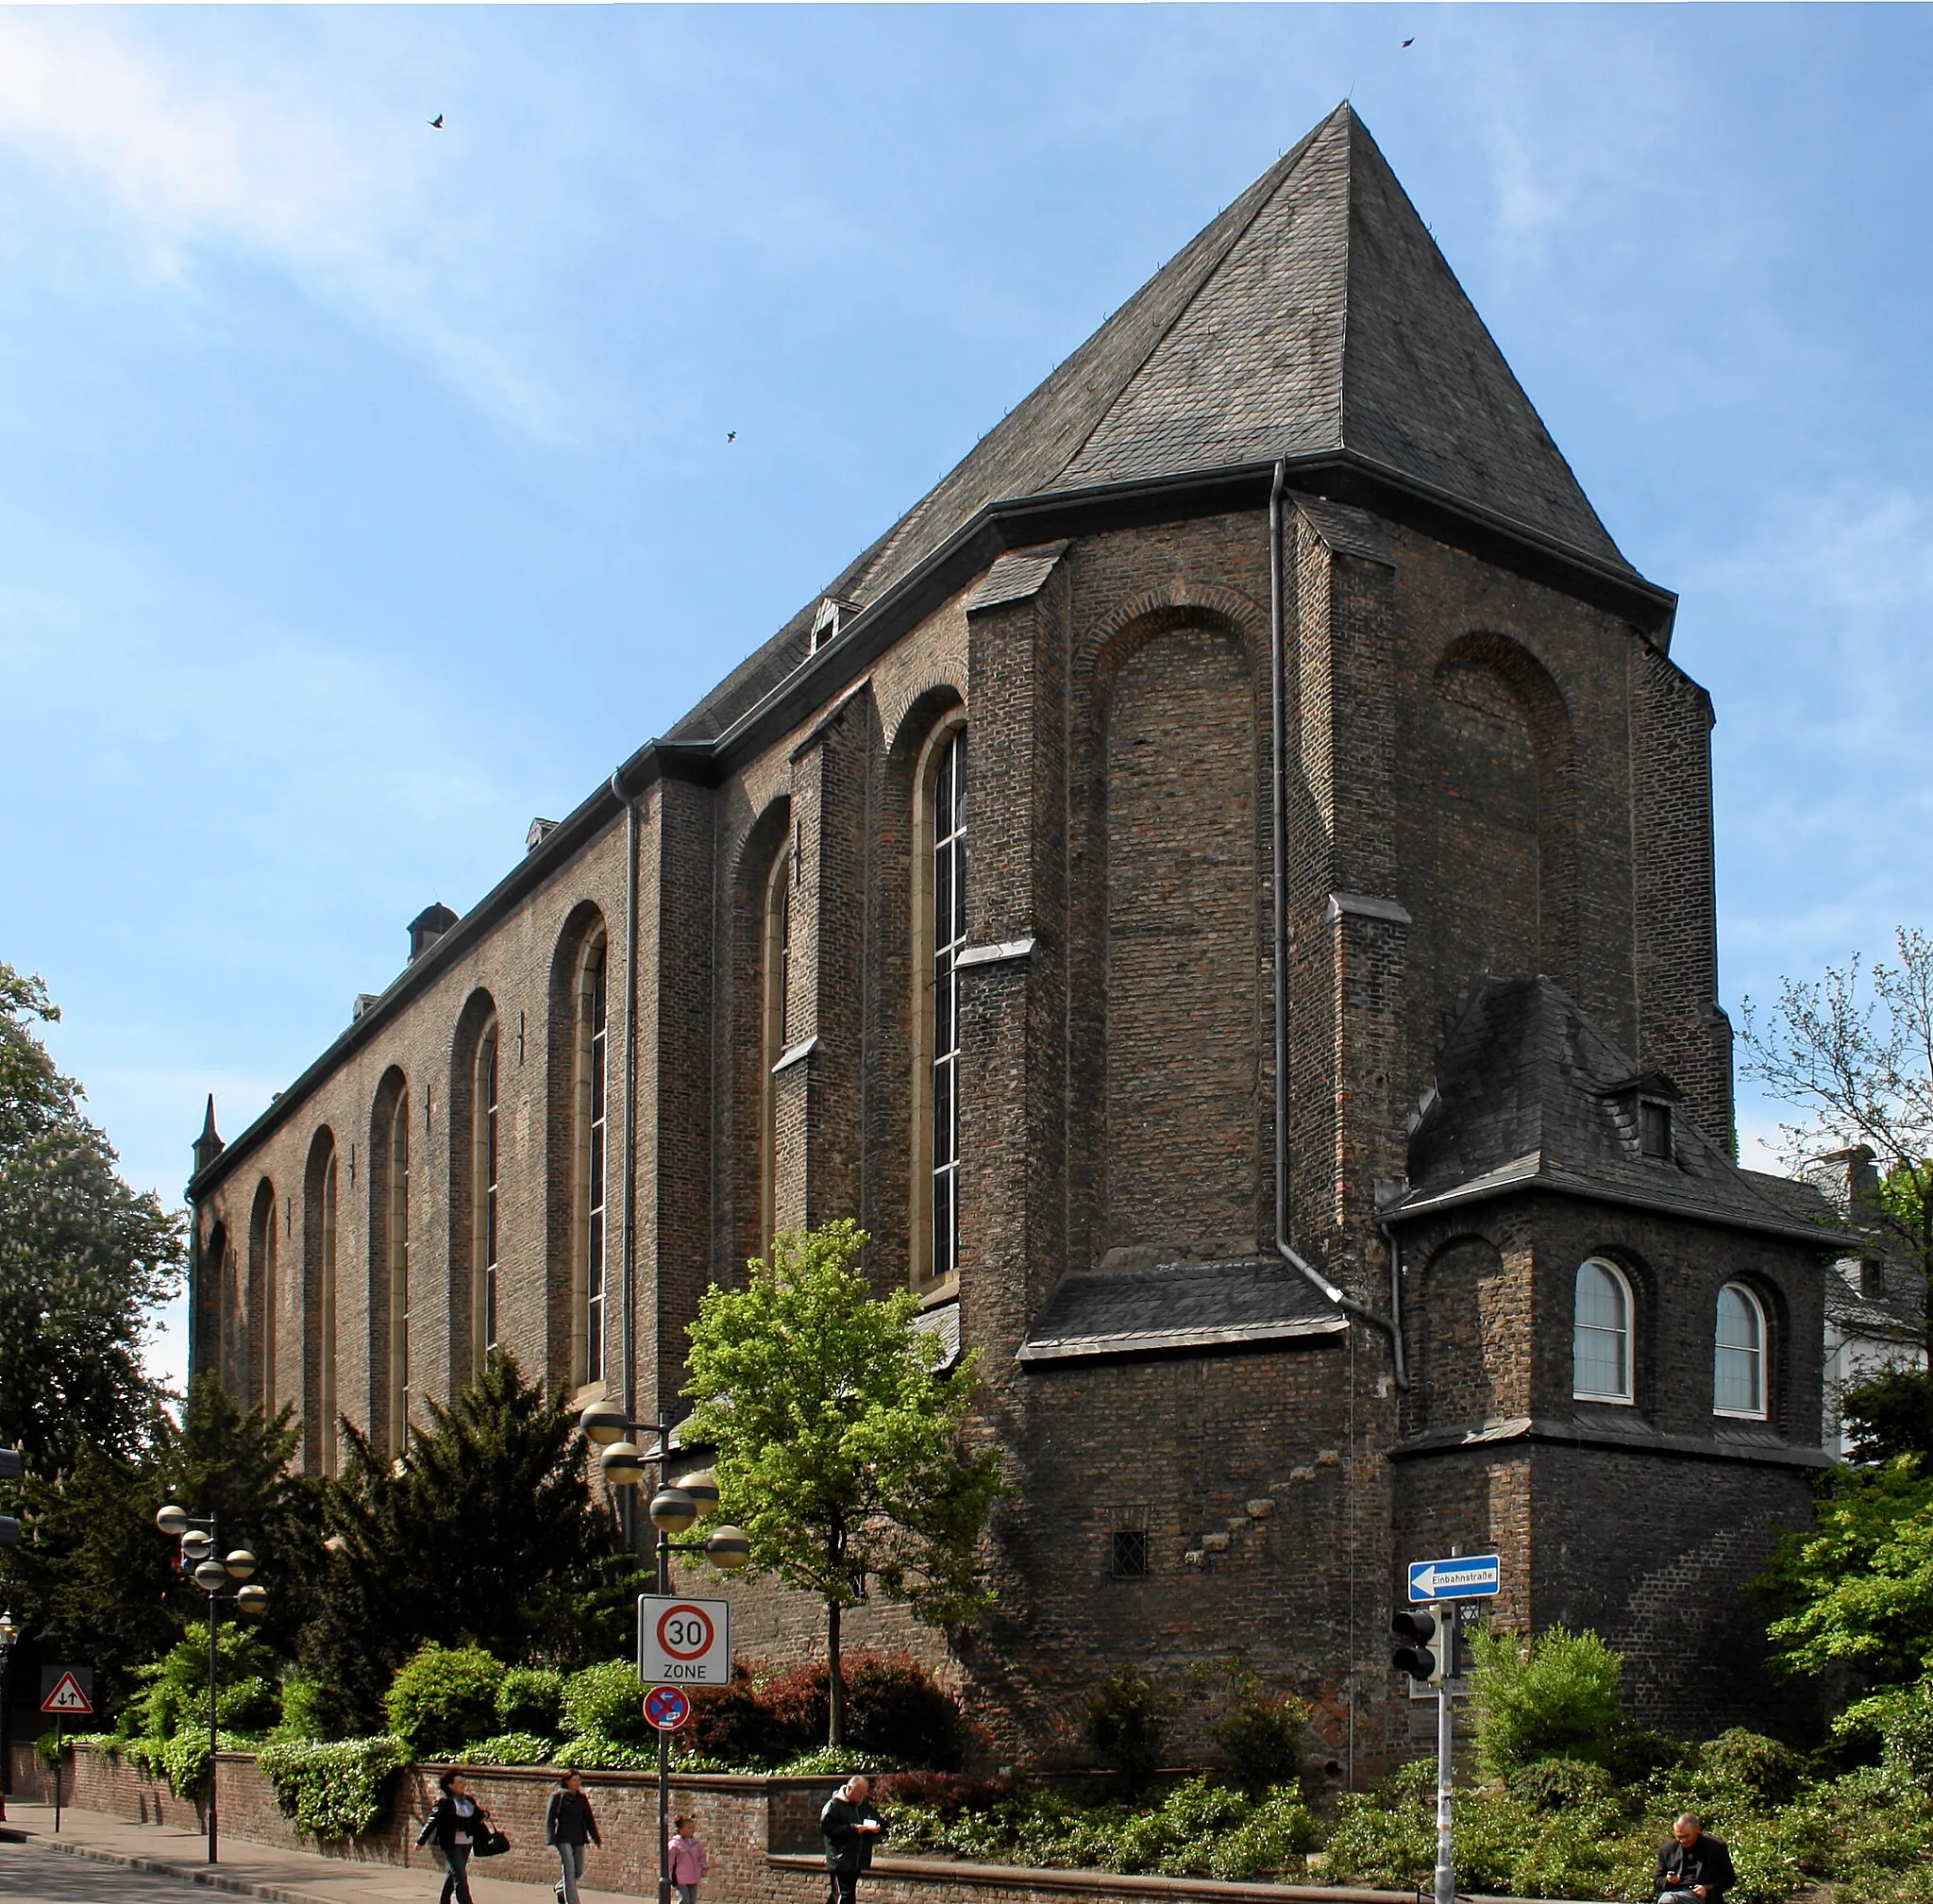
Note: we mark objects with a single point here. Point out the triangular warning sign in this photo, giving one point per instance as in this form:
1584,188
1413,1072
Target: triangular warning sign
67,1696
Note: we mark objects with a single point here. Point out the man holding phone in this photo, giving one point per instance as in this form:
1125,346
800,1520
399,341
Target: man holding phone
850,1828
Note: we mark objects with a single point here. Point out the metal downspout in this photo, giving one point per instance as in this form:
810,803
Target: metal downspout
630,1250
1278,755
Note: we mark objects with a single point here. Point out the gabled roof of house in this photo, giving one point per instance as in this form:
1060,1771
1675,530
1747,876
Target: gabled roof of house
1531,1095
1316,314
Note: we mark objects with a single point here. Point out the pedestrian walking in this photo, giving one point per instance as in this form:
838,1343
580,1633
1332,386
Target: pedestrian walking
850,1828
689,1861
1694,1868
456,1825
568,1824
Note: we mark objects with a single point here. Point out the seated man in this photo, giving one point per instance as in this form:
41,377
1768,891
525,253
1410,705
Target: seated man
1695,1867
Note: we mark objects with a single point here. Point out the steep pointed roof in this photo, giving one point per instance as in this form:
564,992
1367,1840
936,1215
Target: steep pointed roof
1531,1095
1313,316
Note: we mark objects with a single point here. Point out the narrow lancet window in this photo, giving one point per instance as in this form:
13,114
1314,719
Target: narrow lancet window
397,1226
949,939
593,1043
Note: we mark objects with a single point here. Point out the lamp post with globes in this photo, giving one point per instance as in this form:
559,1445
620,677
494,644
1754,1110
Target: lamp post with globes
199,1563
673,1510
10,1632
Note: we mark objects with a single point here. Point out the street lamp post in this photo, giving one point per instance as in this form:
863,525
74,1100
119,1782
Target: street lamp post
10,1632
673,1510
198,1561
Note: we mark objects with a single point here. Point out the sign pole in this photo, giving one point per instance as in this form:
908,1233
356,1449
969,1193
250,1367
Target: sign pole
664,1748
1446,1762
59,1725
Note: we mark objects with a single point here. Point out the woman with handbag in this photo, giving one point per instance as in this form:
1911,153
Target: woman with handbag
457,1827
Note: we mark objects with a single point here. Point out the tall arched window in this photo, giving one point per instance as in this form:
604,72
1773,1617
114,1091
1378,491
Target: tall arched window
775,977
483,1198
939,932
1738,1375
1601,1338
261,1295
325,1313
397,1231
592,1176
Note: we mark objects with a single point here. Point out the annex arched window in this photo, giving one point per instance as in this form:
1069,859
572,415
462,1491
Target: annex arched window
485,1164
262,1297
774,979
939,935
326,1192
591,1098
397,1241
1738,1373
1601,1333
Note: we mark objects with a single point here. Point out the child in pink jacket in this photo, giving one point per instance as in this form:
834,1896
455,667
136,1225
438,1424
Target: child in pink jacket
690,1860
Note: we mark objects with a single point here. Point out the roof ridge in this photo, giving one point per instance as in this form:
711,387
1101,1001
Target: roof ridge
1263,191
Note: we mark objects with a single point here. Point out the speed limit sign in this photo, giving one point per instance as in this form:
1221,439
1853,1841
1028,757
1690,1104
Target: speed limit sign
683,1642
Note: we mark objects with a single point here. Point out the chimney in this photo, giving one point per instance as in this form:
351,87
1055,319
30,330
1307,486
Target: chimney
428,927
540,831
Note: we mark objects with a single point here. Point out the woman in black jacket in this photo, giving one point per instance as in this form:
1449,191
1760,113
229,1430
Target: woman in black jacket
456,1825
567,1824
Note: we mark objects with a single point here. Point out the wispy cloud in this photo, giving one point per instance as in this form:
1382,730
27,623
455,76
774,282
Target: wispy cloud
185,158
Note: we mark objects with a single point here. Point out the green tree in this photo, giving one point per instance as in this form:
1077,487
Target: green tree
95,1578
1853,1596
84,1259
485,1534
840,1442
1891,1414
1554,1696
1853,1053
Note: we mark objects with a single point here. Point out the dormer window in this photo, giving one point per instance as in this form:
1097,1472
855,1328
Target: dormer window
834,611
1654,1129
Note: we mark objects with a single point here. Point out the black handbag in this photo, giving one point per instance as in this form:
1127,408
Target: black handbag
491,1845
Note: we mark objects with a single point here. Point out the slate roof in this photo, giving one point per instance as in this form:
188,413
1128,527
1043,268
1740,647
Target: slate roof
1179,1306
1531,1095
1315,315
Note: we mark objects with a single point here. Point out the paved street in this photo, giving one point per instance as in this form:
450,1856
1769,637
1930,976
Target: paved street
36,1875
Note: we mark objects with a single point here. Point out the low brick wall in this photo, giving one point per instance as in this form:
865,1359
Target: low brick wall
762,1834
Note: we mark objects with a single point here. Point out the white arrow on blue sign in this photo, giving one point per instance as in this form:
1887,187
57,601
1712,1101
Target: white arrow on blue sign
1465,1577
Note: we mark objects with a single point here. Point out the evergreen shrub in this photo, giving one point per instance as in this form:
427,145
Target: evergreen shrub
531,1699
1261,1734
607,1702
1127,1725
441,1698
339,1789
1556,1696
507,1748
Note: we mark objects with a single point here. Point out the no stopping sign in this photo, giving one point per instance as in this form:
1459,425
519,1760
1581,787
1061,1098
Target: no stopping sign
683,1642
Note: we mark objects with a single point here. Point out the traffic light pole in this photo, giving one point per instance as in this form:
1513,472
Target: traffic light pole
1446,1760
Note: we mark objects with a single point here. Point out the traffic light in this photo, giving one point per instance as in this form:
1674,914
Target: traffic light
1428,1640
10,1470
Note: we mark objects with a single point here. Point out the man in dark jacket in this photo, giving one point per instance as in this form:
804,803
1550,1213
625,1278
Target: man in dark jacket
850,1828
1695,1867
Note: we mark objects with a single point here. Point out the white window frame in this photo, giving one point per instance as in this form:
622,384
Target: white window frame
1760,1351
1628,1397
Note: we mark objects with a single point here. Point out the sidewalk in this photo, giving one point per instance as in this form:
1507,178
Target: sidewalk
258,1870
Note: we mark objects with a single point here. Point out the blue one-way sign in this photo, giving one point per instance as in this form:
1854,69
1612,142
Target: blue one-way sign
1467,1576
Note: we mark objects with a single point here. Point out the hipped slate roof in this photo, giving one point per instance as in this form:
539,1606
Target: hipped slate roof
1313,315
1180,1306
1531,1095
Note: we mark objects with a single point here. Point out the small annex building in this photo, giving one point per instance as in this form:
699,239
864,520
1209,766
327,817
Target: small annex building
1222,891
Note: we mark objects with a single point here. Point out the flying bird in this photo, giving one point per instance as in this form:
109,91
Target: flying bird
732,436
1410,41
436,123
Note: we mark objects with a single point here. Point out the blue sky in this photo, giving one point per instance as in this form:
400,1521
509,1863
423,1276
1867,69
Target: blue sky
364,489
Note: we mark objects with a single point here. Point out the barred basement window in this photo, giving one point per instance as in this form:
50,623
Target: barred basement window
1130,1556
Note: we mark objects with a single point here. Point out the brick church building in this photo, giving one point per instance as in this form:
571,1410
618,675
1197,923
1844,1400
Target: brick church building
1222,891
